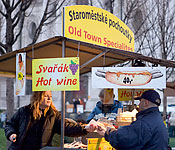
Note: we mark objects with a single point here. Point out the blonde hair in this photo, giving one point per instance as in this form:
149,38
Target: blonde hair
35,100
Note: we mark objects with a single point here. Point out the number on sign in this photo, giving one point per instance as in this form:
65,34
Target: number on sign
127,80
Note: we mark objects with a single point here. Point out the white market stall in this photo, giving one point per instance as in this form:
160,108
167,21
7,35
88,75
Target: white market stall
110,47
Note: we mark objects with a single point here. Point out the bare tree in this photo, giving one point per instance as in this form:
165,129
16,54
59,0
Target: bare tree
13,13
153,24
158,38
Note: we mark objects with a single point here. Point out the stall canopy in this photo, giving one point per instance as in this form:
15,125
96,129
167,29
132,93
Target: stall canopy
90,55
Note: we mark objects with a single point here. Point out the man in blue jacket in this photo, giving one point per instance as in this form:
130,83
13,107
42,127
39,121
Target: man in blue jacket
104,110
148,132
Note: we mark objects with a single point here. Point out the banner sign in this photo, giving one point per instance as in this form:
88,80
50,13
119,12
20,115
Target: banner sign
55,74
126,94
96,26
129,77
20,74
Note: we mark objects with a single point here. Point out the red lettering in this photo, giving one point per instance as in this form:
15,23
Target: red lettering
59,82
60,68
50,69
39,81
45,69
69,81
50,81
66,81
55,67
71,30
45,82
37,72
74,81
65,68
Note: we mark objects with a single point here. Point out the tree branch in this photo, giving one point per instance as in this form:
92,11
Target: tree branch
101,5
38,30
20,30
18,18
2,45
4,3
16,5
26,4
52,12
3,14
46,16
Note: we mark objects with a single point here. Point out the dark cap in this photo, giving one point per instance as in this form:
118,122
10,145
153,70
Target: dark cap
150,95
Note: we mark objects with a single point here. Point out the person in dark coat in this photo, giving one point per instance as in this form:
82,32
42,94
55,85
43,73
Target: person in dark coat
33,127
104,110
76,102
148,132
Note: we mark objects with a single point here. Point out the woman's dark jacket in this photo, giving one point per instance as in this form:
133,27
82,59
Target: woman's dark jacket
148,132
20,123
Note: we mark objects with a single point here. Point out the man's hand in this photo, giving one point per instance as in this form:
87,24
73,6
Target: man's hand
101,130
13,137
108,129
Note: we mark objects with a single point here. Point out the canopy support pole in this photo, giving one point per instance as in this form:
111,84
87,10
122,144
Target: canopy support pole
91,60
164,106
63,104
133,93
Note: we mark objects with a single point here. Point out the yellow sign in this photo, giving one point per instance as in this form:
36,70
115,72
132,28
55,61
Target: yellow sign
126,94
99,144
20,76
56,74
97,26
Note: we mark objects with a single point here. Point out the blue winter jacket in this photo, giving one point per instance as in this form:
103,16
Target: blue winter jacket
97,111
148,132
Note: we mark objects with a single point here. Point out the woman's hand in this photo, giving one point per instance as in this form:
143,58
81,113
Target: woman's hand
91,128
13,137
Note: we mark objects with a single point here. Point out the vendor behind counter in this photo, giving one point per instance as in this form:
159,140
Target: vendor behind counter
104,107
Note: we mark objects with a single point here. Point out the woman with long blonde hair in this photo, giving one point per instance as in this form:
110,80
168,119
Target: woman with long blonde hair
36,101
33,126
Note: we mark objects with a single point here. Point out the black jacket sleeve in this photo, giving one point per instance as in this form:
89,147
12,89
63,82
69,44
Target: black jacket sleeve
12,125
72,128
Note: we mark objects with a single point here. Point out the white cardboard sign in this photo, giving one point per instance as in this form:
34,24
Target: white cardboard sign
129,77
20,74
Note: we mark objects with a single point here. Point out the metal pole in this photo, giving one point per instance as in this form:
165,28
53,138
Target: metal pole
18,101
91,60
63,105
164,106
121,9
133,93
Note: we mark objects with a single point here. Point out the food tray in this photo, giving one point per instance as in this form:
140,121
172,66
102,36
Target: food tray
124,121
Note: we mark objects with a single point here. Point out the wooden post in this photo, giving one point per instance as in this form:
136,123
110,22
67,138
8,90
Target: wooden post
63,105
164,105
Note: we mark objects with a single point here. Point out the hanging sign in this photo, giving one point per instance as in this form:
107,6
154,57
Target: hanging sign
20,74
126,94
129,77
56,74
97,26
